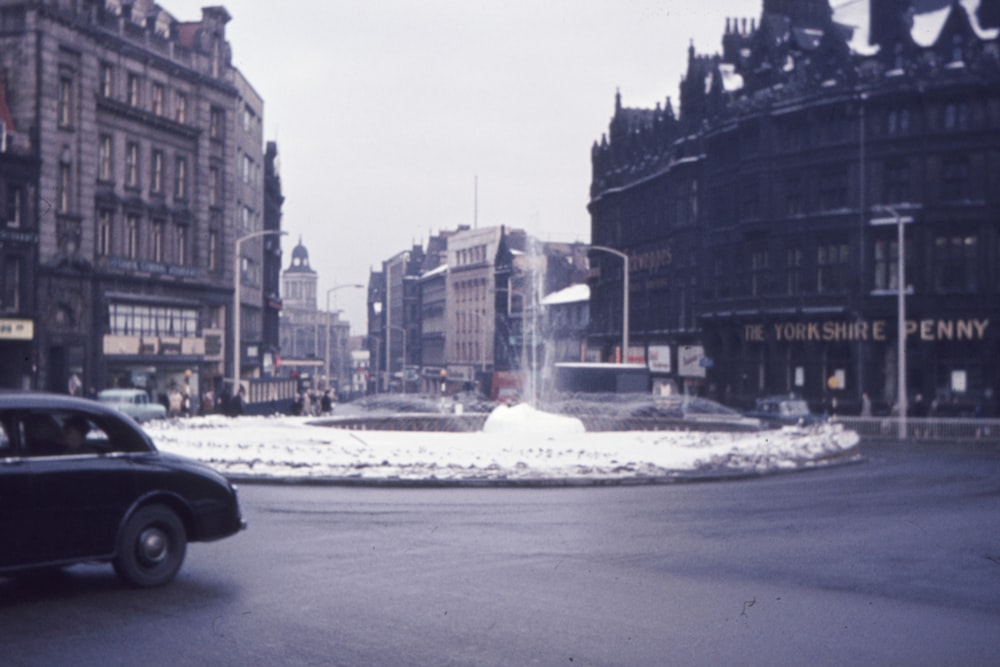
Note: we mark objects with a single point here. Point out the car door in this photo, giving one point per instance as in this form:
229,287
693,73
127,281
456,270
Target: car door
78,494
15,500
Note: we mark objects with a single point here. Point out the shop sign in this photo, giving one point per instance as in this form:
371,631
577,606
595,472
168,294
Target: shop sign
12,329
972,329
659,359
691,361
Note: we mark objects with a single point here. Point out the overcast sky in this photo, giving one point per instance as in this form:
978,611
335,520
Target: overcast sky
386,111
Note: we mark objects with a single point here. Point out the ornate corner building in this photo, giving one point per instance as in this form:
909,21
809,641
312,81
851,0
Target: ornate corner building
761,222
146,146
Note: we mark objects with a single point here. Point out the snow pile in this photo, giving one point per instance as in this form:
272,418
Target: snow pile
511,450
524,419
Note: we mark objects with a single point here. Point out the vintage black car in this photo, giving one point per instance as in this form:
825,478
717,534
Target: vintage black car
778,411
79,481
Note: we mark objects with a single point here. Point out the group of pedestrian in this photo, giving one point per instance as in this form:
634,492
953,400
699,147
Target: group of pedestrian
311,403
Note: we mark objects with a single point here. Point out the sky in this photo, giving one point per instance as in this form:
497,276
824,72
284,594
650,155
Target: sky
517,443
398,119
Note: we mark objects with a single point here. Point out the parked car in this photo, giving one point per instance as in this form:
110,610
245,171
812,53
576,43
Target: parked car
79,481
133,402
778,411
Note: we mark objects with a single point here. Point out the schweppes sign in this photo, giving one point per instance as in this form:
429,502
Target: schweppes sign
971,329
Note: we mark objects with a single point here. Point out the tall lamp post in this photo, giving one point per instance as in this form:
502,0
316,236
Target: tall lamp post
328,293
624,257
237,275
899,221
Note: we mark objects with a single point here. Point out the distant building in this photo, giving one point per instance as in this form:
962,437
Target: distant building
760,223
314,342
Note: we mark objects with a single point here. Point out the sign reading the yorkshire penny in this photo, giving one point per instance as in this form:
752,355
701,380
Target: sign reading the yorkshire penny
972,329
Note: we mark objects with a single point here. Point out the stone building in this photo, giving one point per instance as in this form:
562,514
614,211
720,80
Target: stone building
132,119
761,223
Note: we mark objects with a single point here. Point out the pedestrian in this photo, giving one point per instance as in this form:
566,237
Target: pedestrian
866,405
326,403
238,405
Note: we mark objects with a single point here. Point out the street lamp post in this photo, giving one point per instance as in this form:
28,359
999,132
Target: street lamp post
328,293
237,275
625,290
899,221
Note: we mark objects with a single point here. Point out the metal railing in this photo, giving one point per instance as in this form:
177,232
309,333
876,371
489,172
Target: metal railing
924,428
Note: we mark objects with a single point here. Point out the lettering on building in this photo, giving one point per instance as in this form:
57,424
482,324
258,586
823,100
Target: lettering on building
972,329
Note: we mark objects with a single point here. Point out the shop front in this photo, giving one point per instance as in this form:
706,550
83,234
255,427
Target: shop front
951,363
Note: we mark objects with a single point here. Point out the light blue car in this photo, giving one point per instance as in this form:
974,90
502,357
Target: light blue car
134,403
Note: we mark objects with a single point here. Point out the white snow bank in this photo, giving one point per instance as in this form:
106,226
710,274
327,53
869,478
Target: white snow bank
290,447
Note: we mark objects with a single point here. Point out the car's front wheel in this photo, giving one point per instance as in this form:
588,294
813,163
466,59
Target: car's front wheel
151,547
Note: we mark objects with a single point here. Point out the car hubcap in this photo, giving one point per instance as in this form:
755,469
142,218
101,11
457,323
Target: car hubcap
153,546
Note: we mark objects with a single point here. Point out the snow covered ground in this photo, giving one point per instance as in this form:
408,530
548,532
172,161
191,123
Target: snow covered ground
517,444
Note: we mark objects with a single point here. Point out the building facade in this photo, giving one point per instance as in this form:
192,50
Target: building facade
761,224
130,117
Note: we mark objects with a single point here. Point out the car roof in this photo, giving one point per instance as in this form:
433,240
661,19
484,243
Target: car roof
38,399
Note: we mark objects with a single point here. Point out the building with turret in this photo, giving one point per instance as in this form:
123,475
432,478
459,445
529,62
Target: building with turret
761,219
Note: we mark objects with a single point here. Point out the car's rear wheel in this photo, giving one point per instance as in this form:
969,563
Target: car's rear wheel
151,547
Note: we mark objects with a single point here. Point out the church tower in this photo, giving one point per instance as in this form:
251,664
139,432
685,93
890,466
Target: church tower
298,282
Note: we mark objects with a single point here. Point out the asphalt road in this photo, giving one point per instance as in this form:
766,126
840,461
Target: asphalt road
892,561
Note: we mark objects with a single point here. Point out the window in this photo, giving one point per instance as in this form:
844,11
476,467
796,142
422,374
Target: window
158,95
247,168
897,182
127,319
157,240
213,250
831,267
63,194
65,101
132,236
955,178
156,173
180,107
793,270
216,123
898,122
104,221
182,234
248,116
106,84
104,152
214,195
955,266
886,264
833,188
15,205
133,90
956,116
180,184
132,164
758,272
750,198
10,290
793,195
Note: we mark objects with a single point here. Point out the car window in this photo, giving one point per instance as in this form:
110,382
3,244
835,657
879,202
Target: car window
6,446
62,433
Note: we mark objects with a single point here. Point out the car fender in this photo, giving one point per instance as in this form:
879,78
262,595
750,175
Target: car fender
167,499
